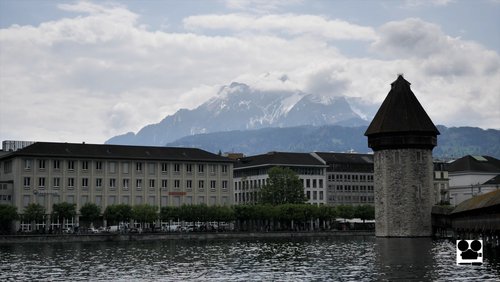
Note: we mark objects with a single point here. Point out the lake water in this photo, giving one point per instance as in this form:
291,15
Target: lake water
305,259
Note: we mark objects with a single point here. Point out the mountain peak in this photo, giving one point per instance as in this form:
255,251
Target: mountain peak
238,107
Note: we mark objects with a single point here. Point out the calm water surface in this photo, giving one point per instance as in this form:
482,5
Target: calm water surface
307,259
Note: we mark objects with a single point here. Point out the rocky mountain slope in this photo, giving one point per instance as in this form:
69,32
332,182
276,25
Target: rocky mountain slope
239,107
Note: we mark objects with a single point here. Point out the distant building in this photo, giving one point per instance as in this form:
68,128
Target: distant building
402,137
234,156
12,145
251,173
441,183
471,176
49,173
349,178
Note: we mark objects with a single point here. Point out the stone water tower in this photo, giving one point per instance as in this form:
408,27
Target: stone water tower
402,137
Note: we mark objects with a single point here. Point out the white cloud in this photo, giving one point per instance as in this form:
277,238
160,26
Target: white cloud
420,3
439,54
289,24
260,6
101,73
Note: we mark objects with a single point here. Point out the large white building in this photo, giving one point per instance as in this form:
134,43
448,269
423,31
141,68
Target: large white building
472,175
251,173
14,145
48,173
349,178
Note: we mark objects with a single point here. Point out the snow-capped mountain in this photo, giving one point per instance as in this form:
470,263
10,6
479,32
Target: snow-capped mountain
239,107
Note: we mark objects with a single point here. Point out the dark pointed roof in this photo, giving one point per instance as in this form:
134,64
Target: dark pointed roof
401,122
401,112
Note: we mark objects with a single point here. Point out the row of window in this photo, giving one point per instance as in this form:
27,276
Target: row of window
351,199
314,195
70,183
350,178
246,172
258,183
354,188
113,166
245,197
5,197
252,196
126,199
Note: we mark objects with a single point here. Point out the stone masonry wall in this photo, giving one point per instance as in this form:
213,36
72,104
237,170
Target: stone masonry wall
403,192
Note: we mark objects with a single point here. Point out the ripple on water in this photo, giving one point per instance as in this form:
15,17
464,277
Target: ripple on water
340,258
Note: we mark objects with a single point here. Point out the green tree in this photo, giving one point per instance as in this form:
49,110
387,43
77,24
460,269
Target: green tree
170,213
33,213
365,212
283,187
89,213
224,213
118,213
145,213
63,211
345,211
8,214
244,215
326,214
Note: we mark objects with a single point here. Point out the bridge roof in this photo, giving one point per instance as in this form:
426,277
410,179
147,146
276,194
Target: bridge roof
479,202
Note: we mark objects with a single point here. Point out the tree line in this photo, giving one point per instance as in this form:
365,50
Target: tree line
257,217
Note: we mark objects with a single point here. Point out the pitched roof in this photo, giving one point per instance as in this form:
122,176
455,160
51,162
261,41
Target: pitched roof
494,181
346,158
77,150
476,164
401,113
279,158
480,201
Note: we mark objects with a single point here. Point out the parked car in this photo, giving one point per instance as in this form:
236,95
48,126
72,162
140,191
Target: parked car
67,231
135,230
93,230
113,228
172,228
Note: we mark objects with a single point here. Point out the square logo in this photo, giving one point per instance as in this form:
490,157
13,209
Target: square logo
469,252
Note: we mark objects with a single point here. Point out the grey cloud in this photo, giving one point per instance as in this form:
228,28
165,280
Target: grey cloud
327,81
410,38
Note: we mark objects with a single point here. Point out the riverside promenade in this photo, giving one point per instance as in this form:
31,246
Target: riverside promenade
103,237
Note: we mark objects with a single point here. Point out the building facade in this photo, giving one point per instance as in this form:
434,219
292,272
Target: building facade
251,173
349,178
471,176
441,183
402,137
50,173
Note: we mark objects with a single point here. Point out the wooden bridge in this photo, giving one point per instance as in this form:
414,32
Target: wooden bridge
476,218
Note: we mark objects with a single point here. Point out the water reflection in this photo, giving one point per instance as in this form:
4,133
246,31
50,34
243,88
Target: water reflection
406,259
326,259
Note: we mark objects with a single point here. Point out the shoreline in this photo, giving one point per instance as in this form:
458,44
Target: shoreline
111,237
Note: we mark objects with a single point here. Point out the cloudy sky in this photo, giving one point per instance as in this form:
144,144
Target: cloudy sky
76,71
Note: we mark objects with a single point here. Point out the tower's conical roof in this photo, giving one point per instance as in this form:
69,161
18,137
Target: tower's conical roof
401,112
400,115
